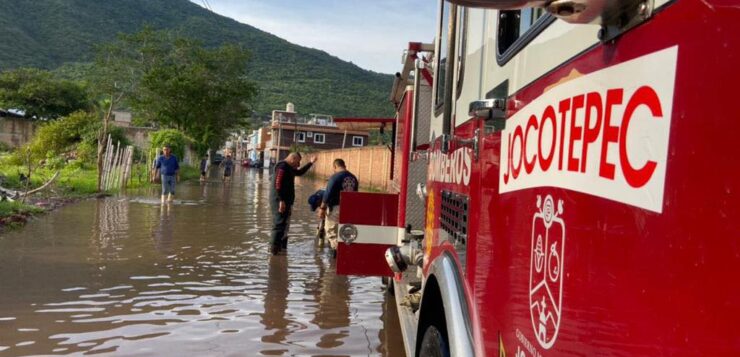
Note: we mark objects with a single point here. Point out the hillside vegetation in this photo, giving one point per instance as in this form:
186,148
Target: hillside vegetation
50,33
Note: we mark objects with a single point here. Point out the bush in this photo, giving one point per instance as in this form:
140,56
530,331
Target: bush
174,138
59,136
87,150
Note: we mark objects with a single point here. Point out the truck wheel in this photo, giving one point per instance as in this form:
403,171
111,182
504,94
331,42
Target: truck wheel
434,344
388,282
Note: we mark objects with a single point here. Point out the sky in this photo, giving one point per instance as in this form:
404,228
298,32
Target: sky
370,34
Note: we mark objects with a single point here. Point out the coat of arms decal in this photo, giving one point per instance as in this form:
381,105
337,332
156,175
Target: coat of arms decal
546,270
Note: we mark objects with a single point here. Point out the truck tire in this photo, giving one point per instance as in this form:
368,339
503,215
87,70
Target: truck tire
434,343
388,282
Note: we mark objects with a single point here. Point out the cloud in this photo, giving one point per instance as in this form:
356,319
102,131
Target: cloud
371,34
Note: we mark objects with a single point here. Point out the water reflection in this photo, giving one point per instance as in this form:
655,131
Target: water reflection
130,276
276,303
332,313
163,232
111,224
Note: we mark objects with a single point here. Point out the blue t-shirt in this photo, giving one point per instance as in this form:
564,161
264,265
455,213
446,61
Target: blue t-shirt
167,167
340,181
228,164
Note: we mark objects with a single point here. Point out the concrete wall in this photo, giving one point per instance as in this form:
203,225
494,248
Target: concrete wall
371,165
16,132
139,136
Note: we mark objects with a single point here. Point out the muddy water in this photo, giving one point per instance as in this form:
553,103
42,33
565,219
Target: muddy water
129,276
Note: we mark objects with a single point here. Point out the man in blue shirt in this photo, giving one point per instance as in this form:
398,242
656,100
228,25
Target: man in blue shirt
169,169
342,180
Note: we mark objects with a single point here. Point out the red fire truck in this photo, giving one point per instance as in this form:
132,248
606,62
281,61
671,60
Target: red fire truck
566,182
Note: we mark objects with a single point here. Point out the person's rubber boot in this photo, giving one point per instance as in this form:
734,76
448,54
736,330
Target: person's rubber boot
163,198
170,198
275,249
284,243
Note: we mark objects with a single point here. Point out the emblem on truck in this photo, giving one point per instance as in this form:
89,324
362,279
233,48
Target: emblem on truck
546,270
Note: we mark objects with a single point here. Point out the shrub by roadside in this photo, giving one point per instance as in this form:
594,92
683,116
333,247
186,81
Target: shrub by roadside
15,214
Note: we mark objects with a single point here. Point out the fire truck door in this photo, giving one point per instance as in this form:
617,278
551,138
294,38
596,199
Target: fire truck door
368,225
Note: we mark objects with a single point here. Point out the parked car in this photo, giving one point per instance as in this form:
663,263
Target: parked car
217,159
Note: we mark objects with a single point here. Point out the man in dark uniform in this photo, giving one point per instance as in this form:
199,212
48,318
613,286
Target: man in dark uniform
341,181
282,197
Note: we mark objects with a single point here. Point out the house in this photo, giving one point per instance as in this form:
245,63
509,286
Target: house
289,131
122,118
256,143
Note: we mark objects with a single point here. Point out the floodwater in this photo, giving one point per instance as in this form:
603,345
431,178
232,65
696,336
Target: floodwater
127,276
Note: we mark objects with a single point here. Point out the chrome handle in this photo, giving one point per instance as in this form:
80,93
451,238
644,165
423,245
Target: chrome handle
475,141
488,109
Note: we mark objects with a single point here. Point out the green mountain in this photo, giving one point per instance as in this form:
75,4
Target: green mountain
49,33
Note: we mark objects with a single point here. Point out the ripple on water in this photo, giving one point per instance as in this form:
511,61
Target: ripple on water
145,277
120,287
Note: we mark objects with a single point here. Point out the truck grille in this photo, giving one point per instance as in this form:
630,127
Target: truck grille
454,219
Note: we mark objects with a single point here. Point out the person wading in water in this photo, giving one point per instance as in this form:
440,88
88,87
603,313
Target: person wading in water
168,168
342,180
282,197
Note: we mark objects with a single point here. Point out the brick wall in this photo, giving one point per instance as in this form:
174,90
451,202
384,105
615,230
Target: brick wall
371,165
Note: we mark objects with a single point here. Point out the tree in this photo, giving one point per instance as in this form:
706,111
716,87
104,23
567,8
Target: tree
40,94
176,82
174,138
179,83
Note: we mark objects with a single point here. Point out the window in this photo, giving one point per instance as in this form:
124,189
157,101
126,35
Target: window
309,134
319,138
358,141
462,40
299,137
517,27
442,55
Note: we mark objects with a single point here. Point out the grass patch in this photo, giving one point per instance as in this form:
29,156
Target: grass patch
188,173
8,208
73,180
14,215
78,179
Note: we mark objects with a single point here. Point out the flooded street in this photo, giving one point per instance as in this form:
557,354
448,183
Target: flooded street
129,276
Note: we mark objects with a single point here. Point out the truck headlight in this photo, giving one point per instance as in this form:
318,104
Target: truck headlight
348,233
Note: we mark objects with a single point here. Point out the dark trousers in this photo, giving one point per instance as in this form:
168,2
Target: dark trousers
281,223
